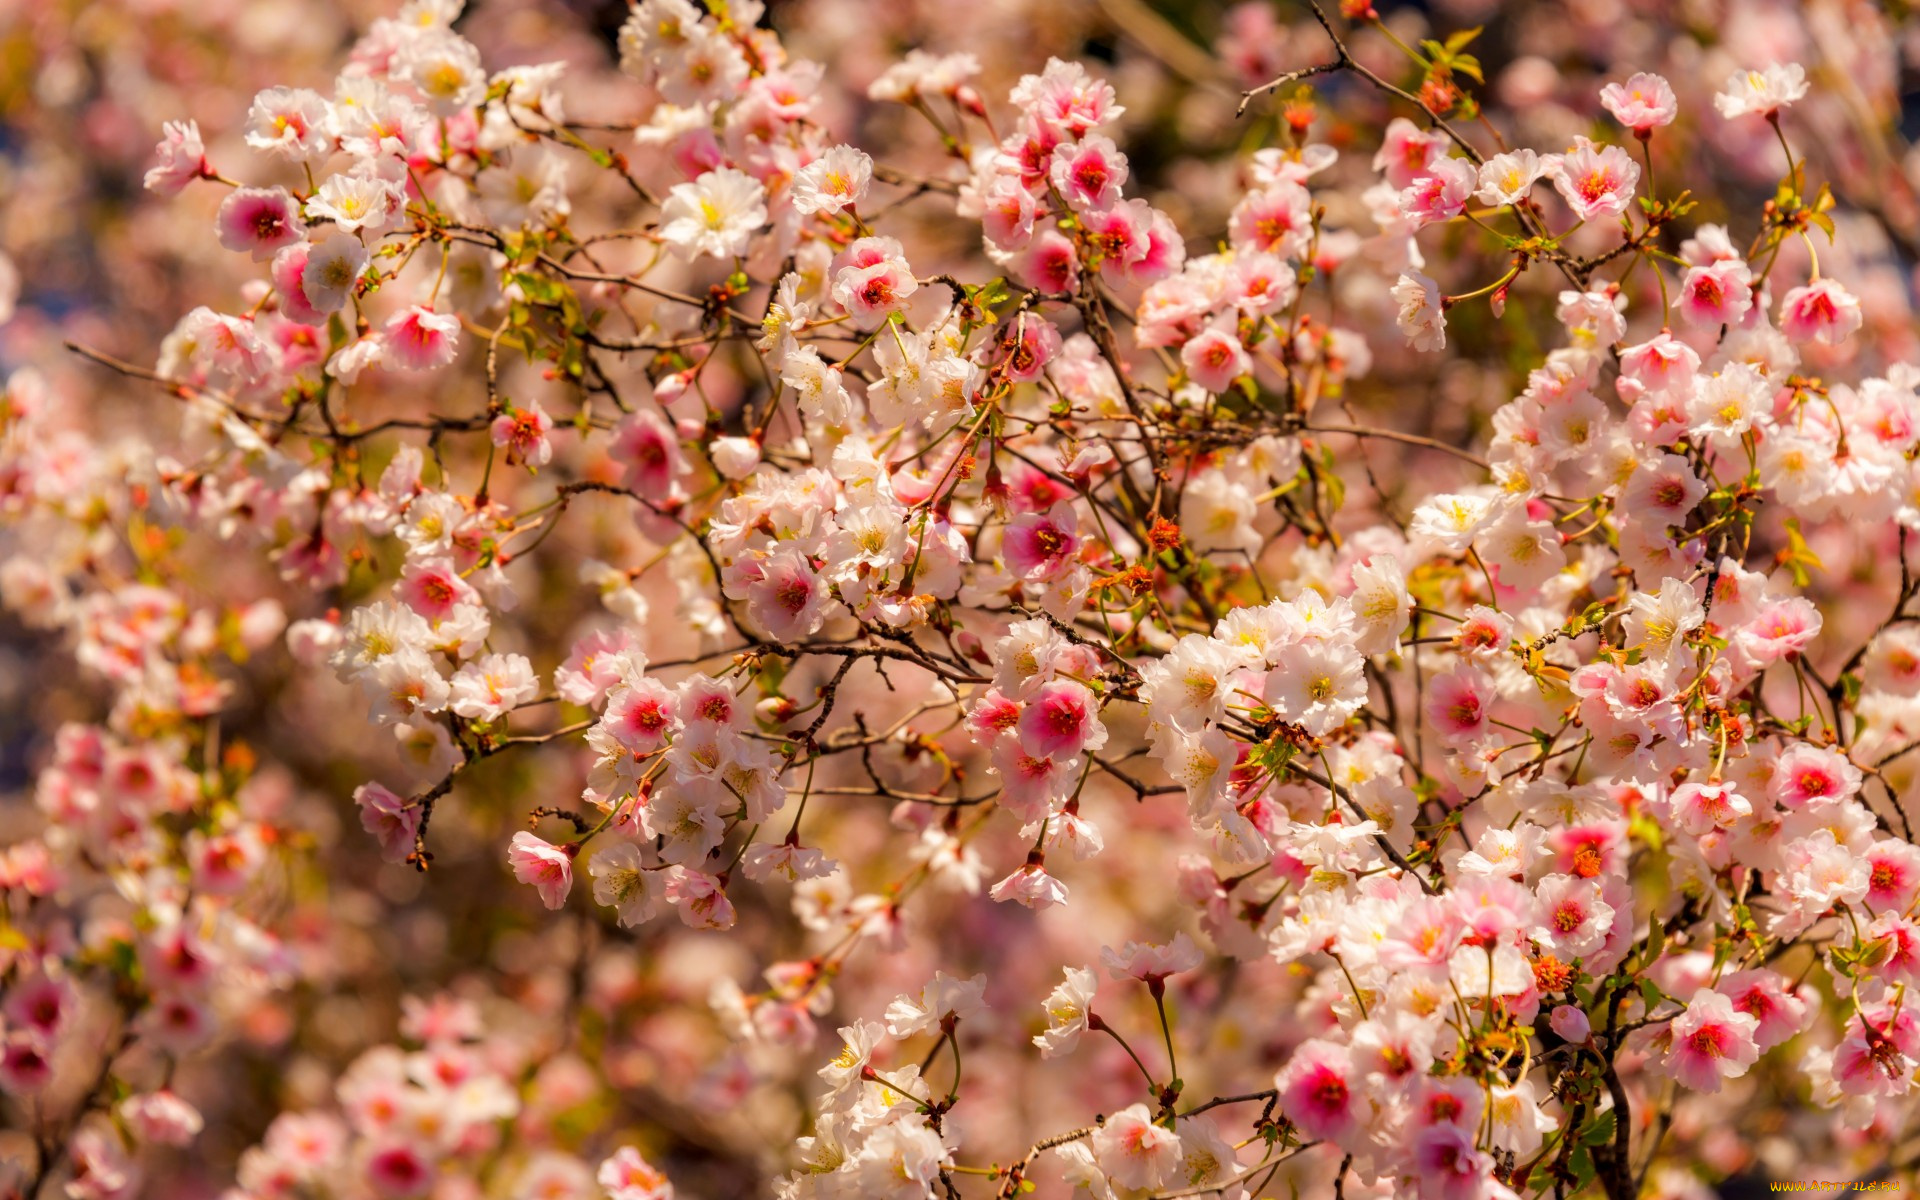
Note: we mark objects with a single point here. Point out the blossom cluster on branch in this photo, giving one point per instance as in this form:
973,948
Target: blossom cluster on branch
809,574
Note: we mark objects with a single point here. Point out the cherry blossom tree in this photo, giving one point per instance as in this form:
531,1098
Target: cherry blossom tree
947,604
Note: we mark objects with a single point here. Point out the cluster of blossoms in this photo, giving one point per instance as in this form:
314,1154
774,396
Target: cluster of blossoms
415,1122
1522,809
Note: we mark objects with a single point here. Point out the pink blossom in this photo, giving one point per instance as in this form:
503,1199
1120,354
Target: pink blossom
1700,807
1451,1166
1030,886
1441,194
434,587
24,1066
1089,173
288,266
161,1117
1780,628
1661,363
1765,996
1031,343
871,279
1215,358
1719,293
180,159
1042,545
545,867
523,431
1427,937
290,122
1570,1024
1119,235
1276,221
1643,103
787,596
1572,918
627,1176
1457,705
1009,211
1597,181
392,821
1134,1151
1711,1041
1319,1092
1423,314
1807,775
1261,283
1059,720
598,662
700,899
41,1006
836,180
1662,490
645,442
1029,783
1407,151
1048,263
259,221
420,339
399,1171
1893,875
1066,98
1821,311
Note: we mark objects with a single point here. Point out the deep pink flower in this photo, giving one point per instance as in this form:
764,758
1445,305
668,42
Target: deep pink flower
1276,221
1215,358
1039,546
1822,311
1806,775
1049,263
259,221
1441,194
399,1171
1451,1168
1031,343
1059,720
1457,704
434,587
1720,293
1089,173
1711,1042
642,716
1597,181
1319,1092
1765,996
645,442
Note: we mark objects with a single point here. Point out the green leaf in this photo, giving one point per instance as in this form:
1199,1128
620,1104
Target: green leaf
1582,1164
1651,993
1599,1131
539,288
